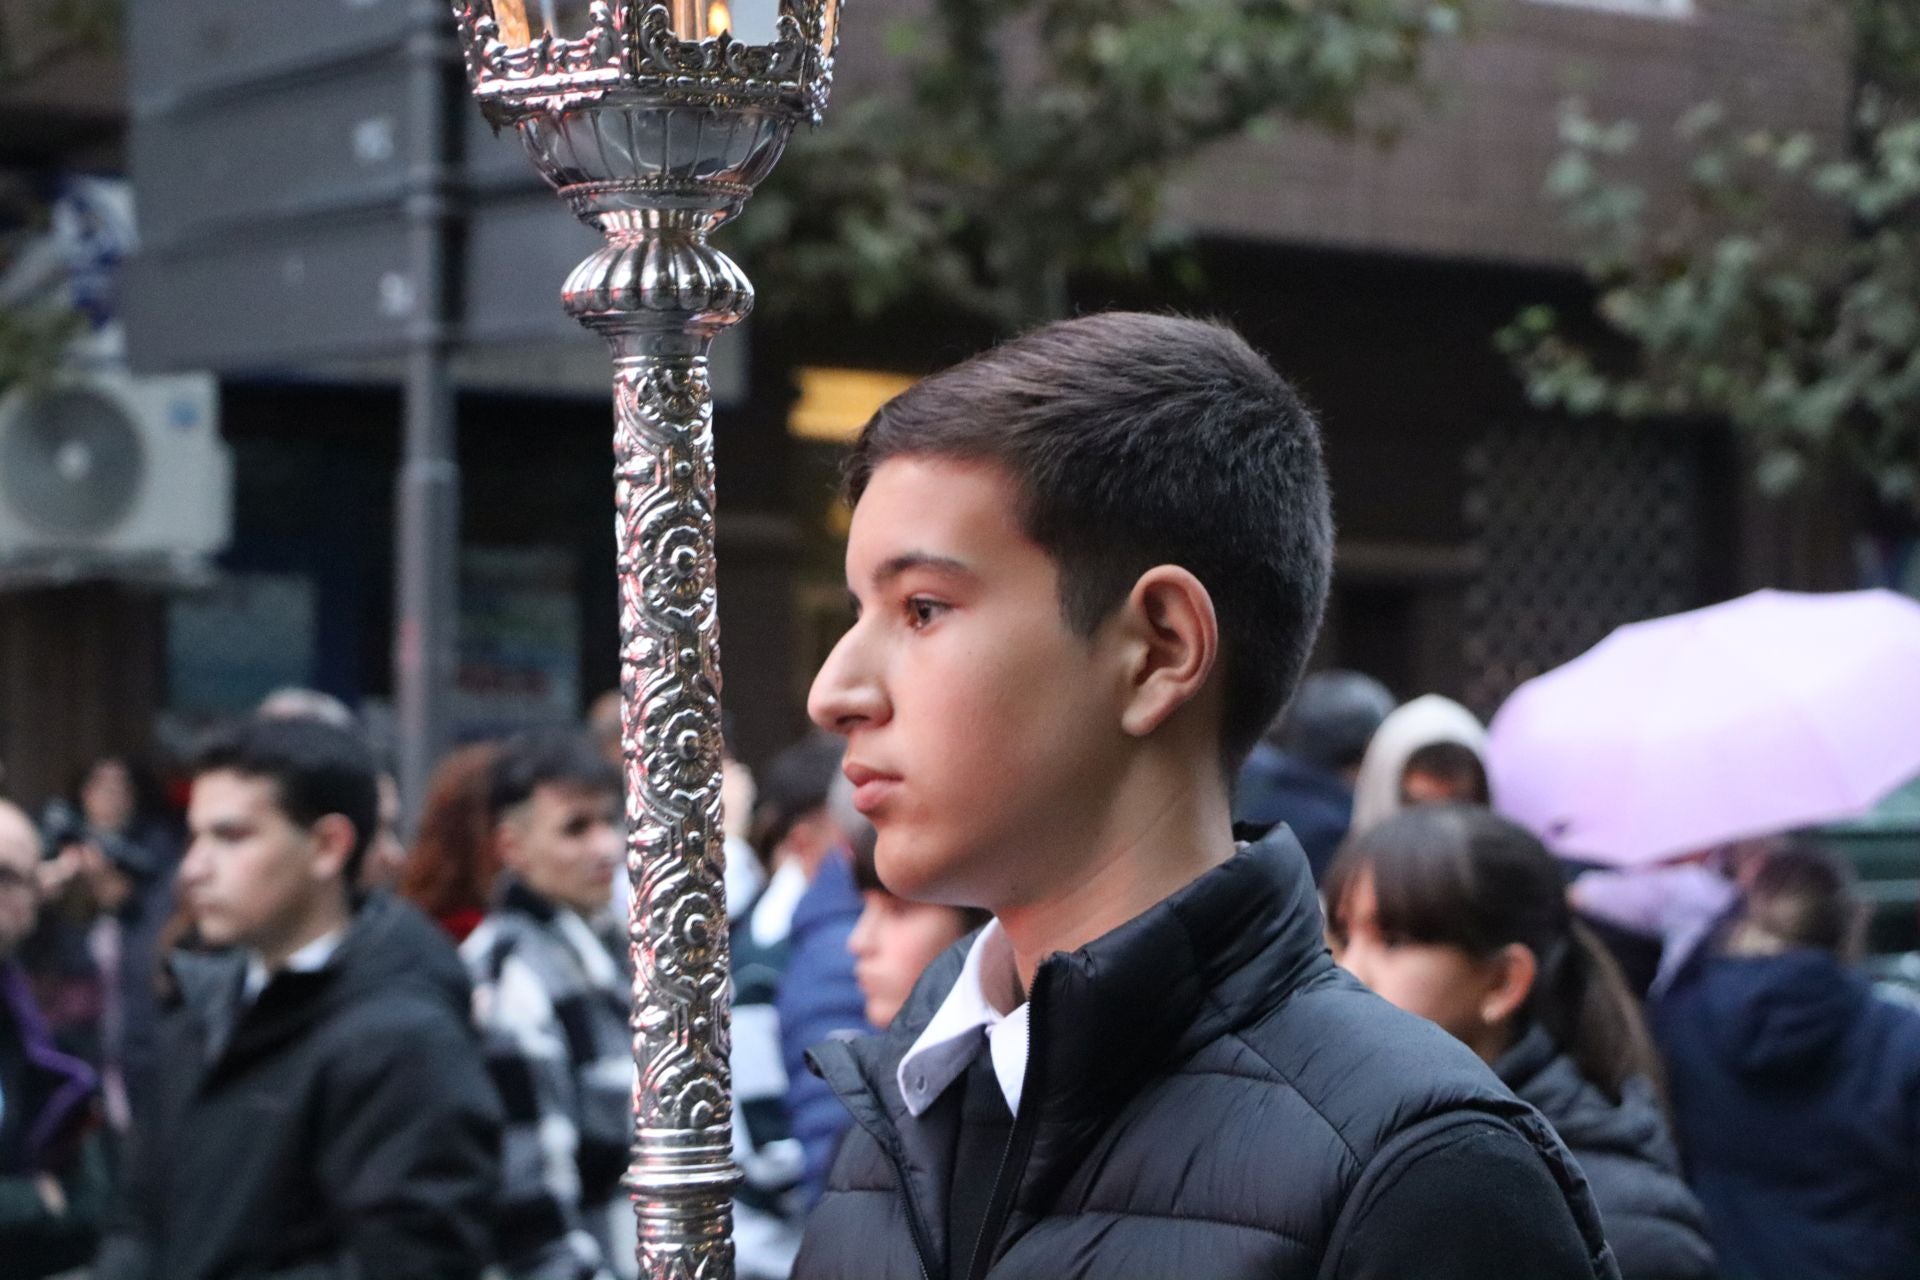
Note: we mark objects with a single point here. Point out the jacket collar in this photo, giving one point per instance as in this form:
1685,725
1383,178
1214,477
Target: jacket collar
515,895
236,1026
1214,957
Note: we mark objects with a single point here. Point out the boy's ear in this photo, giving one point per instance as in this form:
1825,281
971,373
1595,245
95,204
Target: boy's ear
333,837
1172,638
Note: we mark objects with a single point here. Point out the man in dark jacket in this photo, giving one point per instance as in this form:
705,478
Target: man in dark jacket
320,1111
1088,567
1796,1090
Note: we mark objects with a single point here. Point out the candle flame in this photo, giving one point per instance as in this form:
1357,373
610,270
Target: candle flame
719,18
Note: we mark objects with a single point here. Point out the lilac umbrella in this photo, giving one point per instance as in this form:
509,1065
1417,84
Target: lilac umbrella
1773,711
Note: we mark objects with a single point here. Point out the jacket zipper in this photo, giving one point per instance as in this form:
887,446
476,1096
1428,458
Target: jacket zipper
889,1143
922,1248
1019,1146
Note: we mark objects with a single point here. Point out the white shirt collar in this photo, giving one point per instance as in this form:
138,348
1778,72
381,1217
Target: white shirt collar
988,982
309,959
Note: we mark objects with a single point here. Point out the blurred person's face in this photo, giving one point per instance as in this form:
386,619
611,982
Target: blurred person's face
603,725
19,878
253,877
386,856
1470,998
892,944
984,737
108,887
1421,787
563,841
106,797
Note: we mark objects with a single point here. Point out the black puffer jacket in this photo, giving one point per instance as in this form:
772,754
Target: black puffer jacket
1208,1097
1656,1227
340,1128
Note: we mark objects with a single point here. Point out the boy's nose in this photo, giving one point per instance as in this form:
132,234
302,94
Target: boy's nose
845,693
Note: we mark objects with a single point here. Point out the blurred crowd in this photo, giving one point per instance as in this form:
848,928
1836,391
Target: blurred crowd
245,1028
1739,1096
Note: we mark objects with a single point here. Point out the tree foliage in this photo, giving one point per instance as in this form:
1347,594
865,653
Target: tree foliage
1784,297
1028,141
35,325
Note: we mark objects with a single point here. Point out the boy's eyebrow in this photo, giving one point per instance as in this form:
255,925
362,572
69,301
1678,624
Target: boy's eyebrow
891,569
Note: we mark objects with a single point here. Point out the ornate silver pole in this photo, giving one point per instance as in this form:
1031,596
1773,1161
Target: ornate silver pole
655,125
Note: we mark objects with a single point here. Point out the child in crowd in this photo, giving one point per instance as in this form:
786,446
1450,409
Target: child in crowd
1460,916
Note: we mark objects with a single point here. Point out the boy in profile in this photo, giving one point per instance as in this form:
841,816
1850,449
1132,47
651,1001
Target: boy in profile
1088,567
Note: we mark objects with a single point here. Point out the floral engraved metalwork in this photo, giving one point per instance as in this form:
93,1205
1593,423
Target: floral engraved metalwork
670,679
655,141
670,660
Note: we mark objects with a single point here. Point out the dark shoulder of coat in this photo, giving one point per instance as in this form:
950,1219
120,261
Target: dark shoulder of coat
1207,1095
1653,1221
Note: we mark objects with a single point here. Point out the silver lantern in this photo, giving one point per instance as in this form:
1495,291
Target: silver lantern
654,122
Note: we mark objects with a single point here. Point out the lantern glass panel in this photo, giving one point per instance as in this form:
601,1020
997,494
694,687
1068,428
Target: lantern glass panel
749,21
563,19
524,21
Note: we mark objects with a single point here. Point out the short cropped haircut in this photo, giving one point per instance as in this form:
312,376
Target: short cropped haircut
1139,440
547,757
316,769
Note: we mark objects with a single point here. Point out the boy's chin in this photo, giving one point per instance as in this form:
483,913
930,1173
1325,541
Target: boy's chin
917,872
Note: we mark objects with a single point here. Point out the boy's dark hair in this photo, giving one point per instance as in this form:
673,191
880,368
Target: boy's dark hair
547,757
315,768
1140,440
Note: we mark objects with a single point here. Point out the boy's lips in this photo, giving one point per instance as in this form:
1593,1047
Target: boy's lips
871,787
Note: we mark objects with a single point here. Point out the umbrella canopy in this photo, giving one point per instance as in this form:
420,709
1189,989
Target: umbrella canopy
1774,711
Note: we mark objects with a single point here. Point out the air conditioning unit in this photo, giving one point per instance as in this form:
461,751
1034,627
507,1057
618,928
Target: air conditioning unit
104,474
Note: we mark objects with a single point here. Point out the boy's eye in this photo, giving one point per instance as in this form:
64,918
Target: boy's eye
921,611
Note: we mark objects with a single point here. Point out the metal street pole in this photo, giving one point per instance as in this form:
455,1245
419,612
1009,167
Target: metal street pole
426,576
655,125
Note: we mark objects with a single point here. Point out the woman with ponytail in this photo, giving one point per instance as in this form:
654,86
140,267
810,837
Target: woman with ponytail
1457,915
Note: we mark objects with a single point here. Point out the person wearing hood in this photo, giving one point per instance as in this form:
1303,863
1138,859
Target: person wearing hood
1429,750
320,1109
1796,1090
1460,916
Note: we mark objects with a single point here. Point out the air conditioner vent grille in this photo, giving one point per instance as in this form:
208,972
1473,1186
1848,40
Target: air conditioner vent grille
72,463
